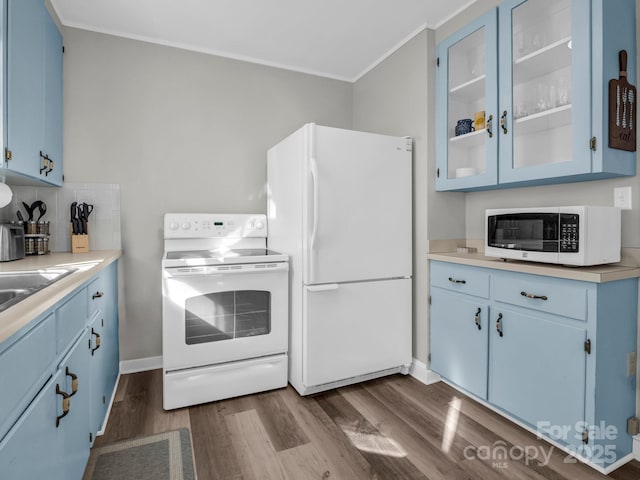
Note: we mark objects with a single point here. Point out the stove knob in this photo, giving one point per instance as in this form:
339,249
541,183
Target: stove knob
186,225
259,225
174,226
252,225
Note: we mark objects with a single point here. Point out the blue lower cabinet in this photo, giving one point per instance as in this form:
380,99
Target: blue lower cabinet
459,340
51,439
557,361
111,330
103,346
32,448
74,427
529,351
62,371
99,398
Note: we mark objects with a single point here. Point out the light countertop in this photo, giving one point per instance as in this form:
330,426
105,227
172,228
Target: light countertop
596,274
87,264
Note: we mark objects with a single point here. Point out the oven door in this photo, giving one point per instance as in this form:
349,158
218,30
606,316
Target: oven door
218,314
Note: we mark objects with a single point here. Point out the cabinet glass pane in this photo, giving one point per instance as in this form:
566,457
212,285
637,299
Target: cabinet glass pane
466,106
542,65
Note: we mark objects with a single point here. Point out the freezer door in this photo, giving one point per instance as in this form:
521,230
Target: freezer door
358,206
354,329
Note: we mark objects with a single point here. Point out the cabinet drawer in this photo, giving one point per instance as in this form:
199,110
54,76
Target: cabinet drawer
96,295
460,278
23,369
552,295
70,319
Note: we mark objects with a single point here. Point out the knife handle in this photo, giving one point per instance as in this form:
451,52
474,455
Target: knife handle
622,57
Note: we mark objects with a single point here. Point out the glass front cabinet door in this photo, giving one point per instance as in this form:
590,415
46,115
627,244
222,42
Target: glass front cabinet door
545,59
554,60
466,106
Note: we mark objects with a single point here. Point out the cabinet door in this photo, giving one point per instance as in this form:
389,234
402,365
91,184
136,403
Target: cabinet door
52,143
467,99
74,428
31,448
537,371
459,340
98,402
25,84
110,341
544,61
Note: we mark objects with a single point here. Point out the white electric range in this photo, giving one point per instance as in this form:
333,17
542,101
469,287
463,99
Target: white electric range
224,308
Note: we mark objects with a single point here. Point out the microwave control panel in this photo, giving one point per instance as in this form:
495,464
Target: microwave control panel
569,232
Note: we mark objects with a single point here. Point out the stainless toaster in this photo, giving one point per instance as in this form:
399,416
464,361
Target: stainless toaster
11,242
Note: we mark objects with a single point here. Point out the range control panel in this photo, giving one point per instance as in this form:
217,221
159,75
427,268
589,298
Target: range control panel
215,225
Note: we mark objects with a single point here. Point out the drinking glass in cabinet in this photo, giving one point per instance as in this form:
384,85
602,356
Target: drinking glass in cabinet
467,91
542,66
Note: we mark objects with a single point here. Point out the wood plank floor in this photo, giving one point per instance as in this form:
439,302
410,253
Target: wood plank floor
391,428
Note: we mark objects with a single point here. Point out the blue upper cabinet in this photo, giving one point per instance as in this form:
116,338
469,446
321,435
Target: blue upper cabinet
53,102
467,86
554,61
34,95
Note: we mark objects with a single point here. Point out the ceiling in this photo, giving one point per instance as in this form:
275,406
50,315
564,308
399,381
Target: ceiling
341,39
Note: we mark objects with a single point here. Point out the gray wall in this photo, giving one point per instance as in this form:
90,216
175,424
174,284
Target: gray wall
396,98
180,132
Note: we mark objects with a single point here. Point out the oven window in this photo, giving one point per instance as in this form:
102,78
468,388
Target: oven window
227,315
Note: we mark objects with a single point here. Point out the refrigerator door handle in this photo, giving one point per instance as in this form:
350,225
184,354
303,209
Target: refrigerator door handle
323,288
314,230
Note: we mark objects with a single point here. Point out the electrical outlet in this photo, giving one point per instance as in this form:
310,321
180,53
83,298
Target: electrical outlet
631,364
622,198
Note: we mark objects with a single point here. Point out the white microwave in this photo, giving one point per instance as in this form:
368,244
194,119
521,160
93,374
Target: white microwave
579,235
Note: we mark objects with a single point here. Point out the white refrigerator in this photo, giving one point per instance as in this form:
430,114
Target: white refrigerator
339,203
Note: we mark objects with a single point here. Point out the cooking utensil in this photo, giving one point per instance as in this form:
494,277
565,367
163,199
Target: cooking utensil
41,206
84,210
75,221
19,215
29,210
631,100
622,95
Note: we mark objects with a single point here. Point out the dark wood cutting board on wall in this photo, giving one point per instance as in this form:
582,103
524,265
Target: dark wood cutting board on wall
623,105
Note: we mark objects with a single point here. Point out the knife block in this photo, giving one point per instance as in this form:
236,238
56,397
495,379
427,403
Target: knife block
79,243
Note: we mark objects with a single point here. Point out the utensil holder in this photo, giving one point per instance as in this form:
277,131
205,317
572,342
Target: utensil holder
79,242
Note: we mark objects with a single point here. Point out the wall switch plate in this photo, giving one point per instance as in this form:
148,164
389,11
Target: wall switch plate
622,197
631,364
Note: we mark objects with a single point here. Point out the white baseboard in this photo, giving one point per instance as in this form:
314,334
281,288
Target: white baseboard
420,372
636,447
106,417
140,364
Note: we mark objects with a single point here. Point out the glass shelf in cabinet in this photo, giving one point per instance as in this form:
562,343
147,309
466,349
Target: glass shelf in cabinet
549,58
469,91
468,140
546,120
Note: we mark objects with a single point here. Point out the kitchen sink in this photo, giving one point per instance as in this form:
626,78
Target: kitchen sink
18,285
